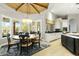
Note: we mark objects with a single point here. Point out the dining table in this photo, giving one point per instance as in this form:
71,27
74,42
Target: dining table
31,36
16,37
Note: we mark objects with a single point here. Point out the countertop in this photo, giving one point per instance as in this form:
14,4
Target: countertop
52,32
73,35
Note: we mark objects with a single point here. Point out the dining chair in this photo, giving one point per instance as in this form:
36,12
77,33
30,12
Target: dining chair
11,43
37,39
27,34
25,43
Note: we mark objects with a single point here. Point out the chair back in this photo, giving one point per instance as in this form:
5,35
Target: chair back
27,34
39,34
23,39
8,38
20,33
38,37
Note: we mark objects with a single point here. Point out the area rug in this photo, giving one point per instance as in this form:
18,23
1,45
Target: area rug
14,52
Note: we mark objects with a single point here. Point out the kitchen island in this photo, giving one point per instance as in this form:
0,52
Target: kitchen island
71,42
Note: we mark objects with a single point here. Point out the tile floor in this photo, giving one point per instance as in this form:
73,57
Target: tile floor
55,49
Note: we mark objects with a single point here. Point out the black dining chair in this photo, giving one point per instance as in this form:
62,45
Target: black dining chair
37,39
27,34
25,43
11,43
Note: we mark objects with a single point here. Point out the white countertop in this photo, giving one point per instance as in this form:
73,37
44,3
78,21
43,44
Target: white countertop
73,35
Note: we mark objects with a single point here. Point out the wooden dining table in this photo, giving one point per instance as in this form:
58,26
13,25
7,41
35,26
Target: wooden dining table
31,36
16,37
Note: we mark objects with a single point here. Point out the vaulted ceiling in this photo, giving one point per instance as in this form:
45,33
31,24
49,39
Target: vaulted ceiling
29,8
56,8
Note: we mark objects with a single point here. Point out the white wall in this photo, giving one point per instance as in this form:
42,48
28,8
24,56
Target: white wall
74,22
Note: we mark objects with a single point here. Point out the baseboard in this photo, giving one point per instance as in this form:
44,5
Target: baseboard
54,40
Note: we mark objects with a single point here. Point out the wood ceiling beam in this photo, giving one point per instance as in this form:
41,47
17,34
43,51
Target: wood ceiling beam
19,6
41,5
35,8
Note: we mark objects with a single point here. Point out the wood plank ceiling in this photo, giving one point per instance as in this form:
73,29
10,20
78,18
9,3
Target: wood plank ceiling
29,8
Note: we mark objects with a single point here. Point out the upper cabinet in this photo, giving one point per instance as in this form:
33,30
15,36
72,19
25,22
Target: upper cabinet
55,23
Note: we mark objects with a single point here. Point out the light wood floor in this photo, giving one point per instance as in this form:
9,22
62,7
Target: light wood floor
56,49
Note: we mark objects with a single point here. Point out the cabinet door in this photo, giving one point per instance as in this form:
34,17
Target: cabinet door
77,46
63,40
70,44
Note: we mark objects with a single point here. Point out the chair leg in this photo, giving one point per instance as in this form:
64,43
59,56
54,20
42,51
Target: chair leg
30,49
17,46
27,49
8,48
20,50
39,44
32,45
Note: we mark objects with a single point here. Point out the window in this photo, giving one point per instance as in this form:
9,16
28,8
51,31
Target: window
6,26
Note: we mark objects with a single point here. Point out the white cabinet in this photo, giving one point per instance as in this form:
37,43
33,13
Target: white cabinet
52,36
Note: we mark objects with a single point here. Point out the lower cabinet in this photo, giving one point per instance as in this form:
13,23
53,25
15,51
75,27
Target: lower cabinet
52,36
72,44
68,42
63,40
77,46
